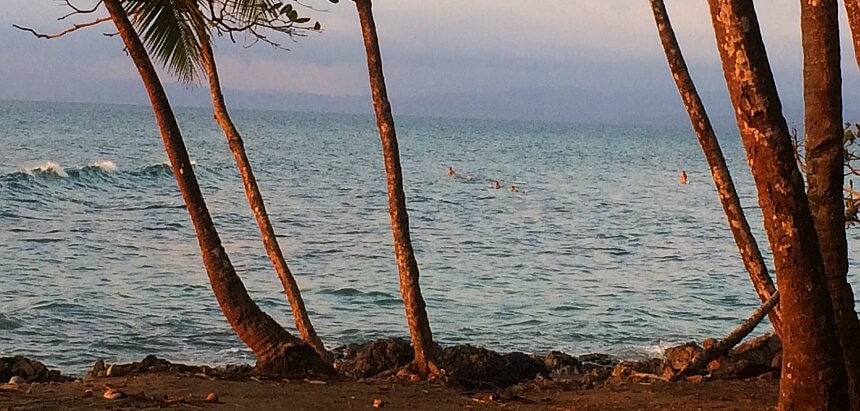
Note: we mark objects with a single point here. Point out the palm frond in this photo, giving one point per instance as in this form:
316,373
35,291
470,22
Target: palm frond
171,30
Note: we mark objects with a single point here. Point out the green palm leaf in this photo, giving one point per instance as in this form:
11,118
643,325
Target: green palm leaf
171,30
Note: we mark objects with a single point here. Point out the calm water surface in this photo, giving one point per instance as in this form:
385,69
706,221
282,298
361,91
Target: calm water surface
601,250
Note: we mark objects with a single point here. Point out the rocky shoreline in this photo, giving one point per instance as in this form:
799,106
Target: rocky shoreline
466,366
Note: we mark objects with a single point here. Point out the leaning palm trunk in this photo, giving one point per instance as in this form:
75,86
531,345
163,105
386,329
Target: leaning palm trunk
813,374
258,207
277,351
416,313
746,242
825,156
852,7
723,346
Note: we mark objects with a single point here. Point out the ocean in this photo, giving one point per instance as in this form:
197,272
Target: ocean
600,250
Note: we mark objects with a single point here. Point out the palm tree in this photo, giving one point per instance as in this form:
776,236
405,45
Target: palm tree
746,242
277,351
813,371
825,156
255,200
416,313
852,7
178,34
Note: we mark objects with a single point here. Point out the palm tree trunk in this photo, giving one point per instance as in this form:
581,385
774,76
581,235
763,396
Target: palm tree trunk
852,7
825,156
275,348
416,314
746,242
813,374
258,207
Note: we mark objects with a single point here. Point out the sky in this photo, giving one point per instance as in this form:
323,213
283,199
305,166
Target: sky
547,59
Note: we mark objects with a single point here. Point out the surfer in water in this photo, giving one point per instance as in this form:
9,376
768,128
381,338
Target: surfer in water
496,185
683,177
451,171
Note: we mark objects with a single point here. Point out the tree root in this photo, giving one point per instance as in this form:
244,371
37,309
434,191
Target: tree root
298,361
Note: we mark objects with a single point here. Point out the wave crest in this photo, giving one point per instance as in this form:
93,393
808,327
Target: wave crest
104,165
46,168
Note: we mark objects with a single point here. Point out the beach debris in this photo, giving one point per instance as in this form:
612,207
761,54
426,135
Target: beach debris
10,387
211,397
597,359
111,394
88,393
378,403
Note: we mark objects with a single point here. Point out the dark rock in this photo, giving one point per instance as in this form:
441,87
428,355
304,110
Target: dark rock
154,365
370,359
526,366
560,363
475,367
97,371
634,370
763,350
29,370
741,370
678,357
229,372
758,356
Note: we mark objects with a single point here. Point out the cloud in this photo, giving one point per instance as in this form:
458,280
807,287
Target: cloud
429,48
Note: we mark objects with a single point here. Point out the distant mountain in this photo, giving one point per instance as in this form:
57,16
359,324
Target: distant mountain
568,104
565,104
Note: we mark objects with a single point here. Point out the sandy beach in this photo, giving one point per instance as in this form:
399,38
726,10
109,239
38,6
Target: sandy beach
352,395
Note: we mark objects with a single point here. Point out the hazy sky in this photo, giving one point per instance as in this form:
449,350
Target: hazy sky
429,48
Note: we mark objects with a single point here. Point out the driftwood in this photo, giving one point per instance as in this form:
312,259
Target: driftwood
723,346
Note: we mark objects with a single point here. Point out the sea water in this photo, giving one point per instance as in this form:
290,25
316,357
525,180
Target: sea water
600,249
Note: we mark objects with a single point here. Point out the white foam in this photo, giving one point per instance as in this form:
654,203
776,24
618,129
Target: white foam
104,165
47,167
167,163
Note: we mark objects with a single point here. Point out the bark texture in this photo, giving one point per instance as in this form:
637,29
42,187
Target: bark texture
825,156
258,207
852,7
416,313
268,340
746,242
813,374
